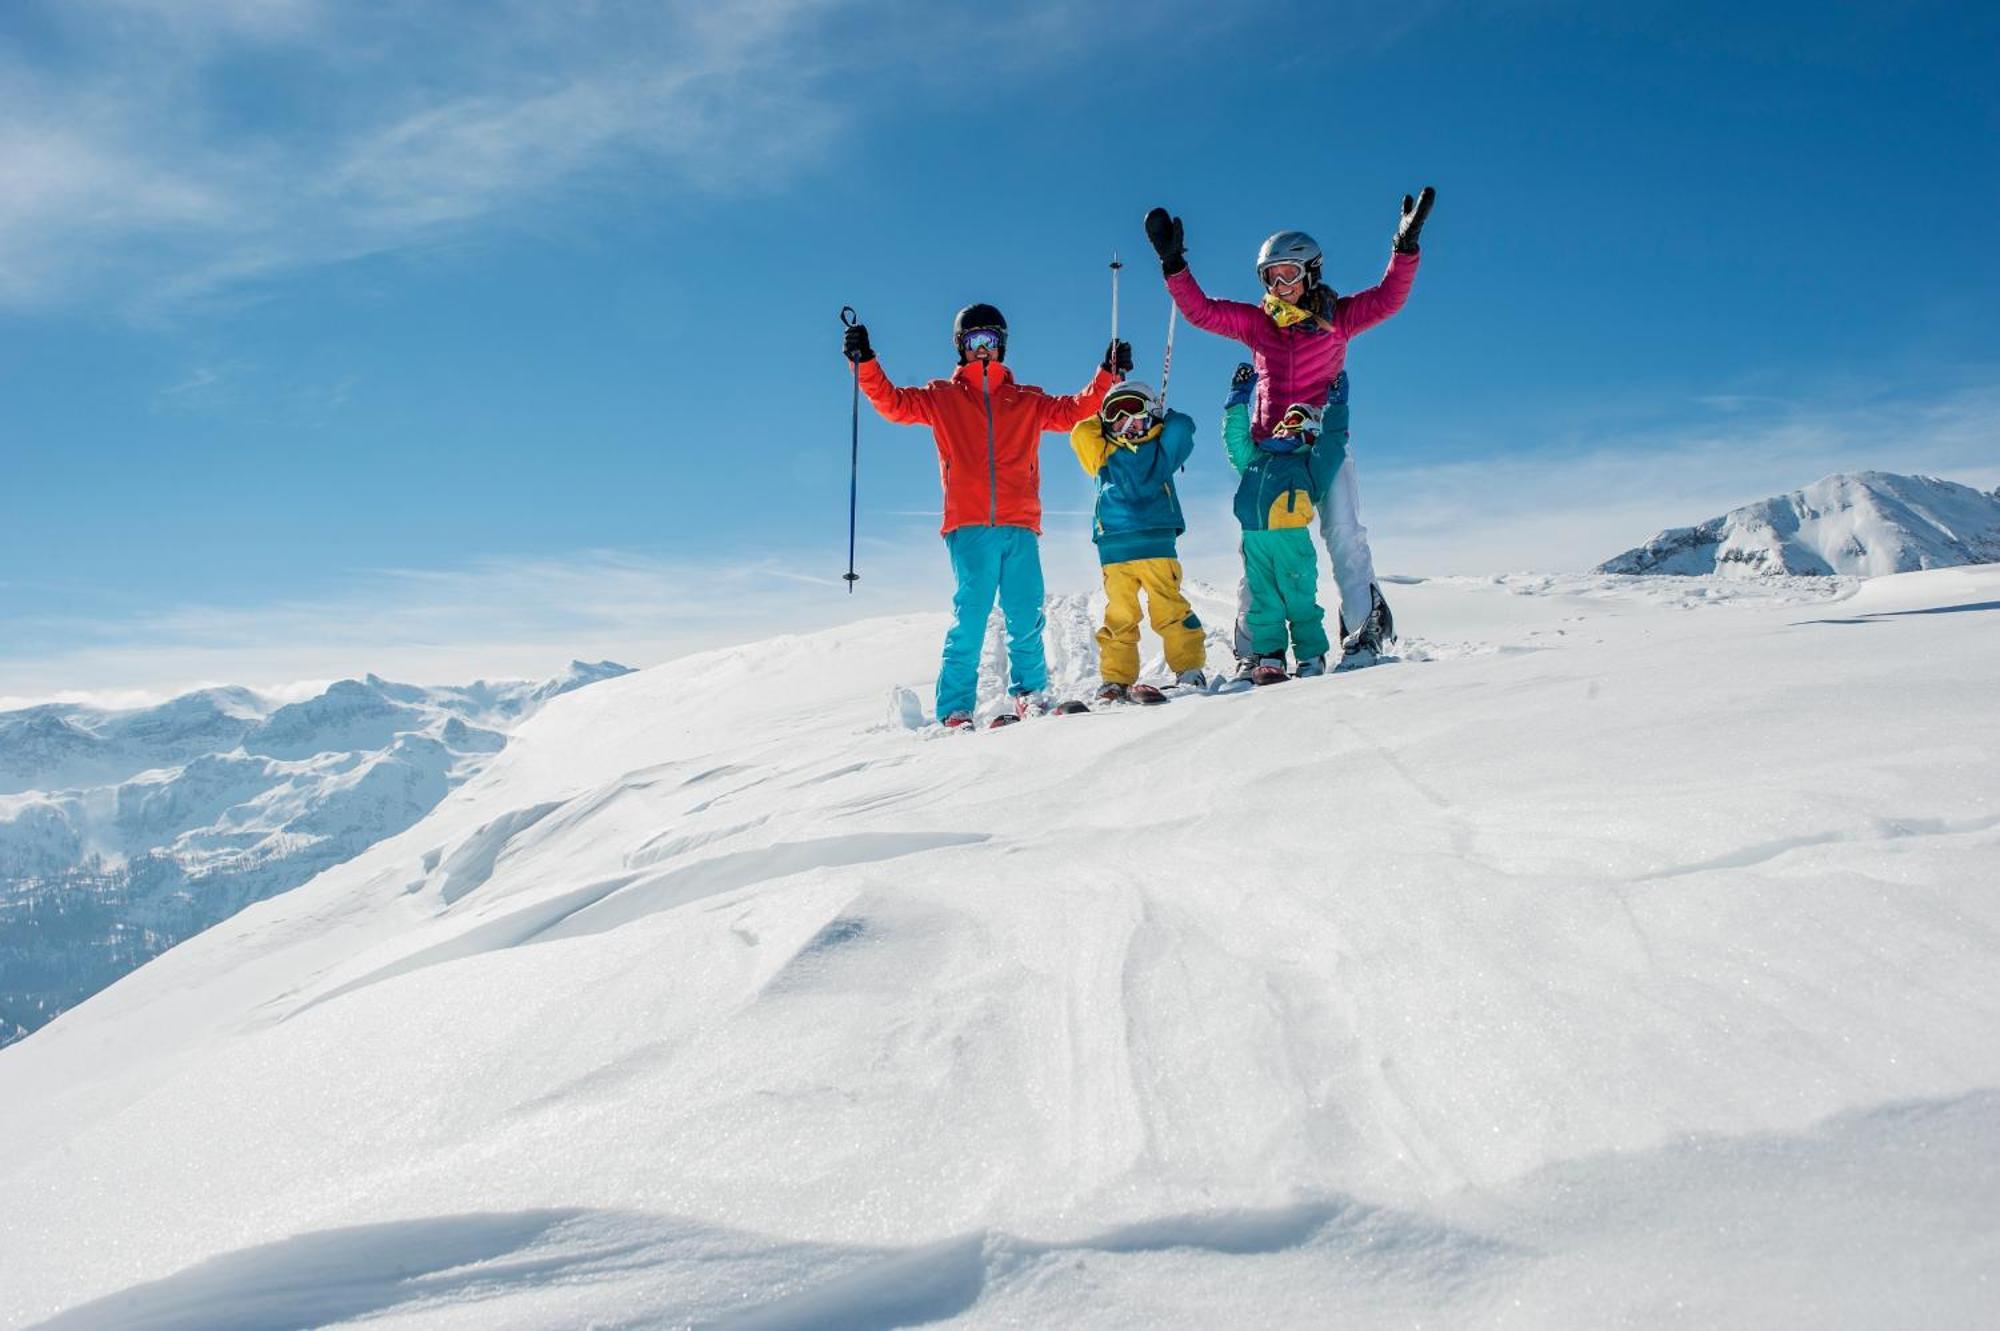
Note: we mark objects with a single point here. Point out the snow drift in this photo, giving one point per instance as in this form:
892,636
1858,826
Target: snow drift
1626,958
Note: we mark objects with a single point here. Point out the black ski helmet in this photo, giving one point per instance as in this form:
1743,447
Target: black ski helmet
978,316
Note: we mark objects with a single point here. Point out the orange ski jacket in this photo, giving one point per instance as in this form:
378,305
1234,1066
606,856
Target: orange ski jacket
989,434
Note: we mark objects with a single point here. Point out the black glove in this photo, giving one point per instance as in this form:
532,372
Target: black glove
855,343
1165,233
1118,358
1242,386
1414,212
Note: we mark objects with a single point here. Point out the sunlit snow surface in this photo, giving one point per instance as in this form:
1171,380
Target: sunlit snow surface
1629,955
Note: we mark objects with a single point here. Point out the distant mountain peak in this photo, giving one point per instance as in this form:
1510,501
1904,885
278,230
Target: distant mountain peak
577,674
1860,524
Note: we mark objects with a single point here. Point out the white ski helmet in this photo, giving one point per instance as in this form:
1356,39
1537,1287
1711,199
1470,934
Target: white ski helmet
1290,247
1297,419
1122,397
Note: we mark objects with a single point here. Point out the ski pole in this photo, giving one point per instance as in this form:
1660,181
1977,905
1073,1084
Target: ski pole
850,318
1115,266
1167,363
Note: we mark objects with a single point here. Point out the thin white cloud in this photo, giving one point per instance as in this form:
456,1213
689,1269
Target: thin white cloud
132,171
124,169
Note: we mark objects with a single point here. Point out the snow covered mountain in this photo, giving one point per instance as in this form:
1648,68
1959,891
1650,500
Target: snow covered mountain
123,832
1623,958
1863,525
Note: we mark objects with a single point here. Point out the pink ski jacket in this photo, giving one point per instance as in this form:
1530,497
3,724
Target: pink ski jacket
1296,364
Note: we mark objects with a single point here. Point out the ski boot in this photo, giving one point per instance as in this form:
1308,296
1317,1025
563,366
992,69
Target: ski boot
1148,695
1108,692
1194,681
1369,643
1035,703
1311,668
958,721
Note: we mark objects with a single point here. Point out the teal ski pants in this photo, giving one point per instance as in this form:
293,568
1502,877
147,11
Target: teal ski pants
990,561
1283,574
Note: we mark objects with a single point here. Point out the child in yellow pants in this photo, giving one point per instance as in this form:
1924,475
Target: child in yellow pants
1133,449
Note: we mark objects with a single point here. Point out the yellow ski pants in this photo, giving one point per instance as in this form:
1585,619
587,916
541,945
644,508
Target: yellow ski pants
1172,618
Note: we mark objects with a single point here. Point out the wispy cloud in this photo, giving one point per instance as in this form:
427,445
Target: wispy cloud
128,163
155,152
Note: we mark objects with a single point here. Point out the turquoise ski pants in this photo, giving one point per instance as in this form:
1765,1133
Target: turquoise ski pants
1283,573
990,561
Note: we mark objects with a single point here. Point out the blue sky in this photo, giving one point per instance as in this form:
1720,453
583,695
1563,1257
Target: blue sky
448,339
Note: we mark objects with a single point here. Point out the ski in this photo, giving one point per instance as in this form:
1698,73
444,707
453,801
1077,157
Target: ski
1146,695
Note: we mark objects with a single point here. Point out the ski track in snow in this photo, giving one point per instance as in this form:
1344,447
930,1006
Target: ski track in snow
1622,956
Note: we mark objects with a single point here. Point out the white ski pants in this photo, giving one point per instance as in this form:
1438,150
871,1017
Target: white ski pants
1346,548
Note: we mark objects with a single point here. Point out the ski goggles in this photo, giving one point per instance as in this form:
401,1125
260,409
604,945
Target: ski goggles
1284,273
1297,420
1118,408
982,339
1127,417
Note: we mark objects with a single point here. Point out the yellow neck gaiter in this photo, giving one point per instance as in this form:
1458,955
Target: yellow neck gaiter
1283,313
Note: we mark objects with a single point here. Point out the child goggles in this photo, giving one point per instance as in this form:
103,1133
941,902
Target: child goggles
1297,419
982,339
1117,409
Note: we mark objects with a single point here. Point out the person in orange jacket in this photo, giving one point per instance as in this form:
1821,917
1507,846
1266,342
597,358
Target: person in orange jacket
988,430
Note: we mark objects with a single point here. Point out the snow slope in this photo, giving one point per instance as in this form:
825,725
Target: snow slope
1864,525
1628,958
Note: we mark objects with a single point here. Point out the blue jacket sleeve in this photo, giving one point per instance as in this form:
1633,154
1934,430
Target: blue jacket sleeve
1177,439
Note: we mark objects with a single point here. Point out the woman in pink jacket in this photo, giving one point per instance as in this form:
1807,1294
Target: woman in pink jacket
1298,338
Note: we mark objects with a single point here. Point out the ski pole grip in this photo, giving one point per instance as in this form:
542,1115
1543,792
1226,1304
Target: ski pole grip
848,316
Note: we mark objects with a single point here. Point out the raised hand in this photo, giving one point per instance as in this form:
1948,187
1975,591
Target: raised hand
1164,231
1242,386
1118,358
1412,224
855,344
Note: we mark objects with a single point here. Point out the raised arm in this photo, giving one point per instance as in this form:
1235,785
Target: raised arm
1364,309
904,406
1236,418
1230,318
1177,439
1060,413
